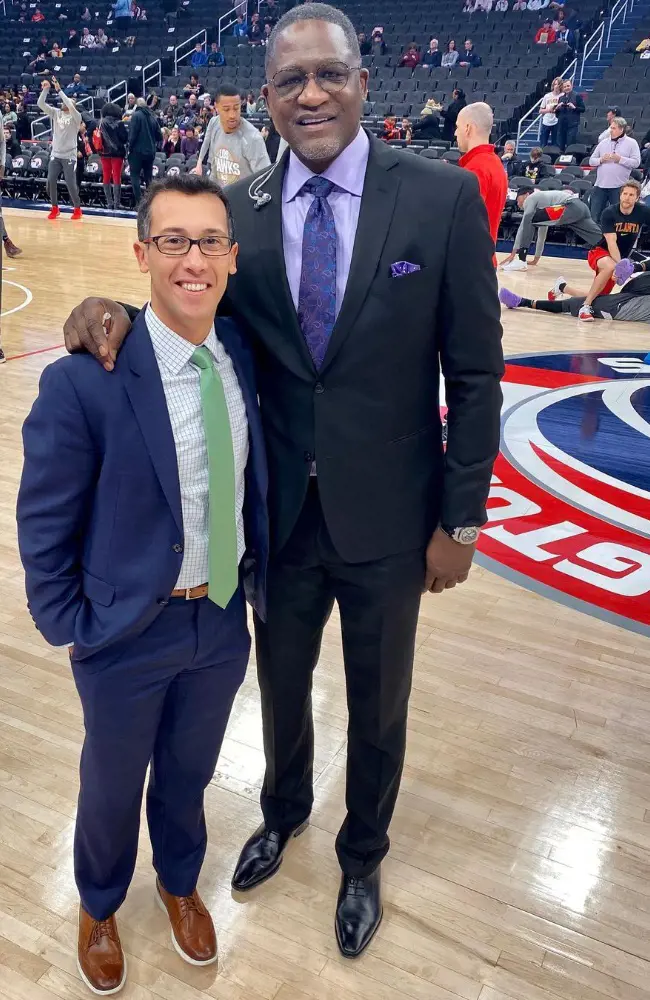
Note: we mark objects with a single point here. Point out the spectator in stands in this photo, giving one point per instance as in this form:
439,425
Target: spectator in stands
615,158
173,111
173,143
469,57
569,108
428,126
501,6
473,128
240,28
450,55
170,12
23,126
537,4
483,6
433,55
233,147
519,5
153,103
12,142
38,16
9,116
266,33
249,107
77,88
536,170
123,15
546,34
270,12
612,113
39,65
57,51
110,142
87,40
255,30
548,128
73,40
365,45
193,87
643,45
513,163
130,106
468,7
411,57
378,43
9,248
43,46
199,57
190,144
406,130
84,150
390,130
145,137
271,137
216,56
451,113
86,15
63,157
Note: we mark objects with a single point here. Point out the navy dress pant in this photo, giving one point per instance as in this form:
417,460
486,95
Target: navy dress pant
163,703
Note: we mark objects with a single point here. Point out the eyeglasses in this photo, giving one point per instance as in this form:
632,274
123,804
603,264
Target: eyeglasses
290,83
178,246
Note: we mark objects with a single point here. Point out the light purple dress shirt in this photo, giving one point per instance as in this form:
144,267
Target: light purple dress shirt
614,175
348,172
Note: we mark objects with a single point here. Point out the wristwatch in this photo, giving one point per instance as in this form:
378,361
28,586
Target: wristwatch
464,536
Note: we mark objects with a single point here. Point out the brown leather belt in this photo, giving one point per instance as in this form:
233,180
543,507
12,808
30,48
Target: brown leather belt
191,593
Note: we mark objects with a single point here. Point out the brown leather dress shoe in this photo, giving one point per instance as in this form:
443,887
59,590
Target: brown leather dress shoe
100,958
193,934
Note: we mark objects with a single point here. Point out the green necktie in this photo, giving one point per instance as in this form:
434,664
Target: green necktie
223,563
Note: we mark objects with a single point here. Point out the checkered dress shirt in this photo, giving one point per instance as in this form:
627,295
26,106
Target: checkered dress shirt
182,386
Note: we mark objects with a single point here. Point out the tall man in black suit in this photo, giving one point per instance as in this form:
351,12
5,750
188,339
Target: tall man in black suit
362,270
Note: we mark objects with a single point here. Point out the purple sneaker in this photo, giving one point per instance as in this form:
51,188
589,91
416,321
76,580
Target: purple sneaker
623,271
509,299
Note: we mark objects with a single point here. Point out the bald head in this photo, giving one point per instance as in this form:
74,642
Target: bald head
473,126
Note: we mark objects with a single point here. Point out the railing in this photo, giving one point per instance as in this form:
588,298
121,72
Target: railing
200,36
595,41
44,129
229,18
154,78
536,119
117,92
620,9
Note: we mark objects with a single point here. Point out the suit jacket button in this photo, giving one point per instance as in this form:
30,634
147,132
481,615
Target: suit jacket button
162,602
308,457
177,547
318,388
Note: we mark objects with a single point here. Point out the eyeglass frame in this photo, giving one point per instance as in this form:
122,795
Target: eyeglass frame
312,76
192,243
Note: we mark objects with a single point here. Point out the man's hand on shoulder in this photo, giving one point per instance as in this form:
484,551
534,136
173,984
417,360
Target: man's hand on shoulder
448,562
97,326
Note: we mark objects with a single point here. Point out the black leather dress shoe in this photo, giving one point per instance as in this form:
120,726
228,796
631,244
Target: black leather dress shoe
358,913
261,856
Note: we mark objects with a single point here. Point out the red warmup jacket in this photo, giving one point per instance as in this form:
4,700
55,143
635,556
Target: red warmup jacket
492,181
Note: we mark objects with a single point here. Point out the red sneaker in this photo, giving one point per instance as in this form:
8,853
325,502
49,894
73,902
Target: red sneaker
77,214
54,212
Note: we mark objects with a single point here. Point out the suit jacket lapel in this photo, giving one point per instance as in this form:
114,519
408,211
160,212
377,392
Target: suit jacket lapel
268,236
375,218
144,388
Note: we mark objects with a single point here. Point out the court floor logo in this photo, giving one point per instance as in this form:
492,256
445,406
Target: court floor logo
569,506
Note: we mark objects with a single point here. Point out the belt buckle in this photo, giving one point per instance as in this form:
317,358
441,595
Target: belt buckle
189,596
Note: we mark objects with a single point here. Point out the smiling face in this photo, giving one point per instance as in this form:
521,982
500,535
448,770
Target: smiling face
317,125
186,290
567,87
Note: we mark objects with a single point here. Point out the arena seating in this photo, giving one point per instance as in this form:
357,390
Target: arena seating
625,84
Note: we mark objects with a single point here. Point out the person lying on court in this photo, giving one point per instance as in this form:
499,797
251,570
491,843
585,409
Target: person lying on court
631,304
141,523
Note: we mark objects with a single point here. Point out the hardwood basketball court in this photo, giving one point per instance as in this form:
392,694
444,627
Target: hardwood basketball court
520,865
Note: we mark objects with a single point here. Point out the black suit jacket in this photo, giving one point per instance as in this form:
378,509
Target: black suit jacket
370,416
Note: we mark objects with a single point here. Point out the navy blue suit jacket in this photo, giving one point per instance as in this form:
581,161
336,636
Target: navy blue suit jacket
100,526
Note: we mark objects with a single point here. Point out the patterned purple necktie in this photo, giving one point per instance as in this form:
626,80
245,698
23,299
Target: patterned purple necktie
317,295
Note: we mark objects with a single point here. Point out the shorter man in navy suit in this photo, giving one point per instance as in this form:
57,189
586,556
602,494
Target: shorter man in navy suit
142,521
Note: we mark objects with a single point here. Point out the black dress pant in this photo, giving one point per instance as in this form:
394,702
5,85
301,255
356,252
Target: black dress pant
378,604
140,162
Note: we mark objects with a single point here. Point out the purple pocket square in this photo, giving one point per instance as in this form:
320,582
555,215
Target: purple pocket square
402,267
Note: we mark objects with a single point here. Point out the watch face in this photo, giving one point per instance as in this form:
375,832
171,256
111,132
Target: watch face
467,536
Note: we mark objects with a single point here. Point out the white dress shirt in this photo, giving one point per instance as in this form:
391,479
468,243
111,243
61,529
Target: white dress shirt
182,387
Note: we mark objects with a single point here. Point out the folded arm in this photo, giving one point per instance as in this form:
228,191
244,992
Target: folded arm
54,501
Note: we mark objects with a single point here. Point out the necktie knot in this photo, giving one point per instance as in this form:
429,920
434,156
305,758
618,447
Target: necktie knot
202,358
320,187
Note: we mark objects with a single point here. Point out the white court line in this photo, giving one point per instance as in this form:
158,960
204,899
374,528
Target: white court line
21,305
